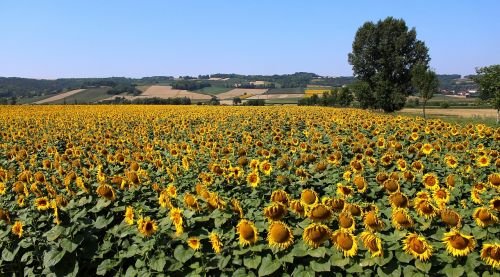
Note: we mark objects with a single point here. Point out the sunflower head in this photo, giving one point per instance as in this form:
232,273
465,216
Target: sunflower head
247,232
280,196
372,243
484,217
17,229
430,181
451,218
194,243
345,242
372,222
344,191
495,203
417,246
106,191
253,179
129,215
191,202
391,186
4,215
401,219
494,180
275,211
297,207
147,227
491,254
319,213
360,183
216,242
42,203
458,244
308,197
346,221
279,235
399,200
425,208
316,234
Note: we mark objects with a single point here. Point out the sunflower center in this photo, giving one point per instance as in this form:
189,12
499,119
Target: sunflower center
345,221
279,233
246,231
450,218
320,212
401,218
308,197
317,234
344,241
355,210
417,246
372,245
459,242
495,253
149,226
484,215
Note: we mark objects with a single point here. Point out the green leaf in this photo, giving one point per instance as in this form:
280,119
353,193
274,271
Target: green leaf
423,266
318,252
8,255
54,233
223,262
339,262
102,222
268,266
403,257
454,272
320,267
105,266
252,262
51,258
356,268
68,245
158,263
299,250
182,254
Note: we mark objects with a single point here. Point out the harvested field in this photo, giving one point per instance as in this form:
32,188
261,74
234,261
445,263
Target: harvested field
489,113
276,96
239,92
59,96
169,92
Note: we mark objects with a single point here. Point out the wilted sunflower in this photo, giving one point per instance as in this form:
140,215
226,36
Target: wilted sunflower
129,215
441,196
401,219
247,232
194,243
372,243
458,244
17,229
417,246
236,207
344,192
398,200
494,180
106,191
146,226
279,235
484,217
495,203
297,207
191,202
253,179
346,242
346,222
275,211
491,254
451,218
281,196
42,203
216,242
308,197
360,183
372,222
316,234
319,213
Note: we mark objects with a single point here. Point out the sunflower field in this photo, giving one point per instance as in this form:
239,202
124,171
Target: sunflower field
245,191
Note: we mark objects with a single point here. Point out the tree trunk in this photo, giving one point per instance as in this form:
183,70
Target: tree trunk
425,102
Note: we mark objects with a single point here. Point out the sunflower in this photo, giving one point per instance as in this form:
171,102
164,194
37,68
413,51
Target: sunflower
275,211
430,181
266,167
381,177
319,213
347,175
372,243
441,196
417,166
451,161
247,232
254,164
372,222
494,180
171,191
425,208
451,218
450,181
346,222
42,203
402,165
17,229
4,215
106,191
191,202
458,244
129,215
164,200
216,242
491,254
253,179
398,200
279,235
346,242
401,219
354,209
356,166
308,197
297,207
391,186
3,188
280,196
344,191
417,246
484,217
483,161
495,203
360,183
236,207
426,148
194,243
336,204
316,234
146,226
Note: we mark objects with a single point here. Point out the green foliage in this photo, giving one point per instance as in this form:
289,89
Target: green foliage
150,101
190,85
488,79
341,97
425,82
383,56
255,102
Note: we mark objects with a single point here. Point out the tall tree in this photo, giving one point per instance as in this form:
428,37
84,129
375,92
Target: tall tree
488,79
425,82
383,56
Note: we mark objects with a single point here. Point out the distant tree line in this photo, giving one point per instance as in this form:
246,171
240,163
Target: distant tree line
124,88
341,97
150,101
253,86
298,79
190,85
255,102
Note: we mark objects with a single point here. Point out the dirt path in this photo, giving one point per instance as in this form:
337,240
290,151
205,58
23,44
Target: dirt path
491,113
59,96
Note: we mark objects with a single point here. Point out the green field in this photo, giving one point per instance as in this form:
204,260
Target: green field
91,95
212,90
29,100
285,91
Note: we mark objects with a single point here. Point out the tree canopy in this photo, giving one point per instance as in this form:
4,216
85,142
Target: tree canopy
383,56
488,79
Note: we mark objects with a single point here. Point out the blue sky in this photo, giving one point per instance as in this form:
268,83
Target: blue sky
52,39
